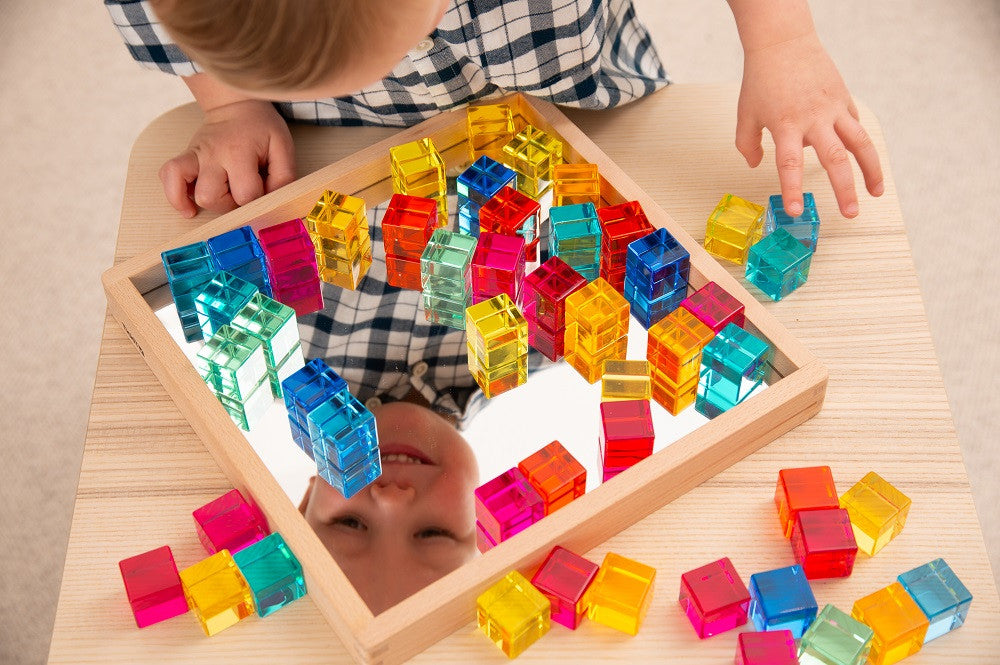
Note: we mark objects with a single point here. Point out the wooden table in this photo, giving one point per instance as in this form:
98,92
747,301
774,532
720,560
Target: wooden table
861,313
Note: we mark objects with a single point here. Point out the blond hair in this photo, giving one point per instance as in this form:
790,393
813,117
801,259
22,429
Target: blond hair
268,44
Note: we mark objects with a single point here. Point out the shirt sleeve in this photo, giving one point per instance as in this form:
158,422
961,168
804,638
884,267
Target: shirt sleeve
146,39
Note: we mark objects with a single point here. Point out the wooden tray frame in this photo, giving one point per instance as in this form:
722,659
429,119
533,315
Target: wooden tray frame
135,286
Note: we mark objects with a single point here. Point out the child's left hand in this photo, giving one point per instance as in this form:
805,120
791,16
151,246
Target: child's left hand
794,90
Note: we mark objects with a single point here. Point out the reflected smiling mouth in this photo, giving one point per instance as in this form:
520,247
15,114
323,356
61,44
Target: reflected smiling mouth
399,458
401,454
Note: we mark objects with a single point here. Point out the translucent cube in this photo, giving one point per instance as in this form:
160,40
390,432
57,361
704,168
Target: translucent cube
823,543
675,344
625,380
805,227
489,127
657,264
232,363
291,266
342,431
835,638
543,296
153,586
782,599
229,523
338,227
769,648
497,267
715,307
217,592
305,390
418,170
512,213
532,153
563,578
513,614
714,598
189,269
556,475
239,253
878,512
575,183
733,227
507,505
272,572
621,594
898,623
778,264
806,488
940,595
626,435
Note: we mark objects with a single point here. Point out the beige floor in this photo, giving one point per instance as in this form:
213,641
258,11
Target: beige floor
72,102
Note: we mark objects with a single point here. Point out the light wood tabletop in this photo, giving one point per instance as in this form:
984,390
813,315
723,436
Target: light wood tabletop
861,313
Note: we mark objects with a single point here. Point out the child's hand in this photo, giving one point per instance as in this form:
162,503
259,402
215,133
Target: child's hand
794,90
223,165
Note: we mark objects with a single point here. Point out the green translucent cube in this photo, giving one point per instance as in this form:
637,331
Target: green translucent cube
232,363
272,323
835,638
448,255
273,573
220,300
778,264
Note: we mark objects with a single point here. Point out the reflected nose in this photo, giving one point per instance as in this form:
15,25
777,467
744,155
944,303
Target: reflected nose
390,494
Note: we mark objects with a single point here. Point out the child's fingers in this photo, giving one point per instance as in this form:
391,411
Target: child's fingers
856,140
788,158
837,162
245,183
280,161
176,175
748,138
212,189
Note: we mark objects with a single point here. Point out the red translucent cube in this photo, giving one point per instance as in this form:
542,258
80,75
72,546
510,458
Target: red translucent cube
773,647
153,586
714,598
626,435
714,307
545,291
555,474
497,266
808,488
506,505
290,257
563,578
229,523
407,225
403,272
620,225
511,213
823,542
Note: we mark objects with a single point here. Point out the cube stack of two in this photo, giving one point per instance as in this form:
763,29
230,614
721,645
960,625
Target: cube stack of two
734,364
498,266
407,226
338,227
656,276
234,365
512,213
446,277
596,328
626,435
291,264
497,345
543,302
189,269
575,237
417,169
674,349
275,326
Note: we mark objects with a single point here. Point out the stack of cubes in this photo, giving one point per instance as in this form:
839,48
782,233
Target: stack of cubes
505,506
533,153
418,170
778,264
477,185
804,227
238,252
407,226
713,306
275,326
596,328
543,304
656,276
512,213
446,277
233,365
338,227
489,127
556,475
305,390
220,300
497,345
674,349
575,237
497,267
189,269
575,183
626,436
733,364
733,227
620,225
291,266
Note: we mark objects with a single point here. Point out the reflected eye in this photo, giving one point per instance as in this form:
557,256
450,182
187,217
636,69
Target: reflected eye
350,522
434,532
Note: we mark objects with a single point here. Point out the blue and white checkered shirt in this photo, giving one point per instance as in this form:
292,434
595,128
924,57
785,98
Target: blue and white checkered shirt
583,53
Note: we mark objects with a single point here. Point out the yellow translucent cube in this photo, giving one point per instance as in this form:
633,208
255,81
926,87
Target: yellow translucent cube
674,345
418,170
878,512
596,307
217,592
576,183
489,127
590,364
733,227
898,622
497,344
532,153
621,593
513,614
625,379
338,227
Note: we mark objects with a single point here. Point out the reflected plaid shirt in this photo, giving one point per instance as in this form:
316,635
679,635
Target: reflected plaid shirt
588,54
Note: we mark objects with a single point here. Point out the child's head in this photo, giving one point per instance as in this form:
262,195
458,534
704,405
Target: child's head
416,522
298,49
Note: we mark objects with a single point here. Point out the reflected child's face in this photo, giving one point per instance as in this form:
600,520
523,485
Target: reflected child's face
416,522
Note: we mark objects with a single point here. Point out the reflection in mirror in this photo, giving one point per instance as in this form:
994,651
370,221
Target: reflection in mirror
439,437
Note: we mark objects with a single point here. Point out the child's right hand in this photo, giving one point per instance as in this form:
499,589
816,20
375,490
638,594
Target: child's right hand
242,150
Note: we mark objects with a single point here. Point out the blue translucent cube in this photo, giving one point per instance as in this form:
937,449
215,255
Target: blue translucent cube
940,595
354,479
575,237
778,264
782,600
221,299
342,431
658,264
477,185
805,227
305,390
189,269
239,252
272,572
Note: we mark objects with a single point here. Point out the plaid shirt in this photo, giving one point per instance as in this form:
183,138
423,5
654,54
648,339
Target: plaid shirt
588,54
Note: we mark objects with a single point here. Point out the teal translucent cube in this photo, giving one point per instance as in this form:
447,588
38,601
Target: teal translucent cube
835,638
272,323
272,572
940,595
573,227
804,227
189,269
232,363
221,299
778,264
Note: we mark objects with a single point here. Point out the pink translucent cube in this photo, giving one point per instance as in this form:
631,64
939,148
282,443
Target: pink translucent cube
291,266
563,578
506,505
773,647
153,586
229,523
497,266
714,307
714,598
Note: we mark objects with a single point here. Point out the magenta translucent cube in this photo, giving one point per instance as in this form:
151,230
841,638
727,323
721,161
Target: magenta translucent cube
775,647
713,306
714,598
507,505
497,266
229,523
543,297
153,586
291,266
563,578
